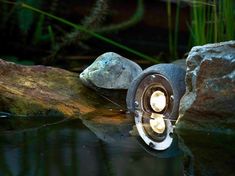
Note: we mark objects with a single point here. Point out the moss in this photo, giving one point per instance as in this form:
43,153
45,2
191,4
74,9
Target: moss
24,107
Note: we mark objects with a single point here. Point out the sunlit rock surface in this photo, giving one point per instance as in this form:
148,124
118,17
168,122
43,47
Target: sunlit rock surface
39,95
110,71
209,102
41,90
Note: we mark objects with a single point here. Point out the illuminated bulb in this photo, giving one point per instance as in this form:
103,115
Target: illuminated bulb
158,101
157,123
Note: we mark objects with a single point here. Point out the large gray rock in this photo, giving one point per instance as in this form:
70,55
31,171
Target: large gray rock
209,102
110,71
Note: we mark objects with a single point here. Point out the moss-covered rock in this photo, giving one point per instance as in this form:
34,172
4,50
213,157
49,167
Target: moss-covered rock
39,90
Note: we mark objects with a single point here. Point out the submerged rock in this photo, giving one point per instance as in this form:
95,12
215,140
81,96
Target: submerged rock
209,102
110,71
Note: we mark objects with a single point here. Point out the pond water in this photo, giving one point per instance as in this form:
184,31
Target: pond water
70,148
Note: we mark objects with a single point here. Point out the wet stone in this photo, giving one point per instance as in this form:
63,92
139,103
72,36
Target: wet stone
110,71
209,102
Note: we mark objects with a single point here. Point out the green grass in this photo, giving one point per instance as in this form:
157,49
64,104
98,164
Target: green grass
173,33
228,15
212,22
198,25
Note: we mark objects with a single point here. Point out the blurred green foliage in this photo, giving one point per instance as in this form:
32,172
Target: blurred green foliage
26,17
211,21
90,26
16,60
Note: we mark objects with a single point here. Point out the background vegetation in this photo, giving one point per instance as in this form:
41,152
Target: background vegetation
54,32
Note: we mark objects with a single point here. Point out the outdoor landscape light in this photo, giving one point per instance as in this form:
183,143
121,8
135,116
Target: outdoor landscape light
154,97
158,101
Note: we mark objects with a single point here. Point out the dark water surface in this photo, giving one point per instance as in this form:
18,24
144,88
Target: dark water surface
70,148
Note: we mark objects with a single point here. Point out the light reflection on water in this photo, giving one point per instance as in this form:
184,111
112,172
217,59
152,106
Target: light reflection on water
70,148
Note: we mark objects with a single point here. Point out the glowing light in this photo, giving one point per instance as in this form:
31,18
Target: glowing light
157,123
158,101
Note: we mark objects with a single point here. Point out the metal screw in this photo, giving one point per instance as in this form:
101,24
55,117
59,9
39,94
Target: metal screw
151,145
136,104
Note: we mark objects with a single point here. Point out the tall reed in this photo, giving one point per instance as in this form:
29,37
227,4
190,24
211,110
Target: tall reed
198,26
173,28
212,22
228,7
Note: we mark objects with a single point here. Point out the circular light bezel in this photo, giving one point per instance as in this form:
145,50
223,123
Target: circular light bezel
157,145
149,85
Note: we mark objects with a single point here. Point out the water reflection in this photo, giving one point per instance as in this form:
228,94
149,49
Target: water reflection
72,149
213,154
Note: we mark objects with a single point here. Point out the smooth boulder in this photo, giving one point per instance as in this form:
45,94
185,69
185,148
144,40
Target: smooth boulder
110,71
209,102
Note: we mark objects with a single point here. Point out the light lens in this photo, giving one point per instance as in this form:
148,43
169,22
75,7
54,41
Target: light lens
157,123
158,101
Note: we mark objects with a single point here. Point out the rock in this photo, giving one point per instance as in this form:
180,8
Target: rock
209,102
41,90
110,71
33,96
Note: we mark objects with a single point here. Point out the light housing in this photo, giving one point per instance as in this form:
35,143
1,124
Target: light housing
154,97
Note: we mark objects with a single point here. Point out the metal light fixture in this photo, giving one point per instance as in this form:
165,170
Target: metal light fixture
154,97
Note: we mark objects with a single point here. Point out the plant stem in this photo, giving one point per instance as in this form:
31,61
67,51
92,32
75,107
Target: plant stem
176,29
228,8
98,36
215,21
169,26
